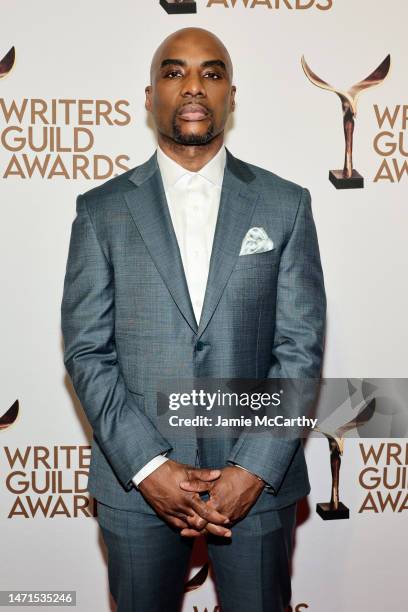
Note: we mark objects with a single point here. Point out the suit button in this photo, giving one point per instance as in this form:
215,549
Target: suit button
199,345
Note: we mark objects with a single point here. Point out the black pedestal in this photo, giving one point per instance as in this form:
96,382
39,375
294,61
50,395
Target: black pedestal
329,514
178,7
356,181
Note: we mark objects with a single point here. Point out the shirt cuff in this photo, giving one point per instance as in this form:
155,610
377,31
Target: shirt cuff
147,469
267,486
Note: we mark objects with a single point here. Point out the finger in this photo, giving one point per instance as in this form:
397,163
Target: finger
176,522
196,486
206,512
203,474
218,530
181,517
196,522
191,533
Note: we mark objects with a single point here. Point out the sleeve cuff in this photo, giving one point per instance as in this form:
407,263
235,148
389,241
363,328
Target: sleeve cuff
147,469
267,485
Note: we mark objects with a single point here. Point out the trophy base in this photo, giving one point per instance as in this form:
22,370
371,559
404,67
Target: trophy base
330,514
178,8
356,181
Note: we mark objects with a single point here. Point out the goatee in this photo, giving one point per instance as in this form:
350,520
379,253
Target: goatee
192,139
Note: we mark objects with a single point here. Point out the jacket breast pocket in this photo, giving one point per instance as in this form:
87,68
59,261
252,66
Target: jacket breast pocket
254,280
267,258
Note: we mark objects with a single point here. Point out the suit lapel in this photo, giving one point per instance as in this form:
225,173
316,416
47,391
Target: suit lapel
150,212
149,209
237,206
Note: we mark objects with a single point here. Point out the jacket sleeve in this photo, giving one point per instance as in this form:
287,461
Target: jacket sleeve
124,433
297,352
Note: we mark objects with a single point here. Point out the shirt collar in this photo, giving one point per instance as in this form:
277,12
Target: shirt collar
171,171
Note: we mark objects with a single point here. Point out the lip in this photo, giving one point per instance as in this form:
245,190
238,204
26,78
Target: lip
193,112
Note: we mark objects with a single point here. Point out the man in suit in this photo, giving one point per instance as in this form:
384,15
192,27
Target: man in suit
156,287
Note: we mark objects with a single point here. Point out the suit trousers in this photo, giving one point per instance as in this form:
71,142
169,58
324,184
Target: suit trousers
148,561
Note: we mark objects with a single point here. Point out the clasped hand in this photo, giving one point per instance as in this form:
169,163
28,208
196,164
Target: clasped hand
173,490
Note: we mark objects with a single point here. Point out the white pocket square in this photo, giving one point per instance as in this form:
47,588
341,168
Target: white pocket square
256,240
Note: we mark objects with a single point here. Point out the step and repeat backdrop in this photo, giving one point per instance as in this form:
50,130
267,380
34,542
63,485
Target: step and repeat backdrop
322,100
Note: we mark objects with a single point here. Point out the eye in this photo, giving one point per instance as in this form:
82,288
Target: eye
172,74
213,75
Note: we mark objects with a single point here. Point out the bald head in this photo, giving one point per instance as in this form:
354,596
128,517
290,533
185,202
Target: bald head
194,38
191,94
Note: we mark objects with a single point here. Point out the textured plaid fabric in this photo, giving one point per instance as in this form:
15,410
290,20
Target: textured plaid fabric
127,321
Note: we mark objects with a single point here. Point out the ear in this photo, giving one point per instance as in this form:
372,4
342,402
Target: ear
148,101
232,105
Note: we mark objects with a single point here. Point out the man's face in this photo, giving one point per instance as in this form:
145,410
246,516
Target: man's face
191,96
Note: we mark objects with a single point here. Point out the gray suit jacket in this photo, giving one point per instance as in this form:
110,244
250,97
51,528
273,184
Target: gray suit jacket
127,321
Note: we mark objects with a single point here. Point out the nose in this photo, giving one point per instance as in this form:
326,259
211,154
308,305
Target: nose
193,85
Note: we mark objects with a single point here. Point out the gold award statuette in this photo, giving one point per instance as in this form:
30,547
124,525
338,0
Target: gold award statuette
335,509
348,178
178,6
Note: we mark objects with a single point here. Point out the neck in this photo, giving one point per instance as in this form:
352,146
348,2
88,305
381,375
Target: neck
191,157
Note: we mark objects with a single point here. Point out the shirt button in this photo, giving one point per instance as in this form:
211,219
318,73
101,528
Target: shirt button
199,345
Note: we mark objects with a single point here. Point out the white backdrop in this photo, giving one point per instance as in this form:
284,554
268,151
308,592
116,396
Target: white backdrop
96,51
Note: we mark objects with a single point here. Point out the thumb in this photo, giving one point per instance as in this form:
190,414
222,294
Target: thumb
203,474
196,486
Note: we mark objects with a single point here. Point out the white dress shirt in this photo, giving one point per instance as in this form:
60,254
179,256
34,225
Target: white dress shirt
193,199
